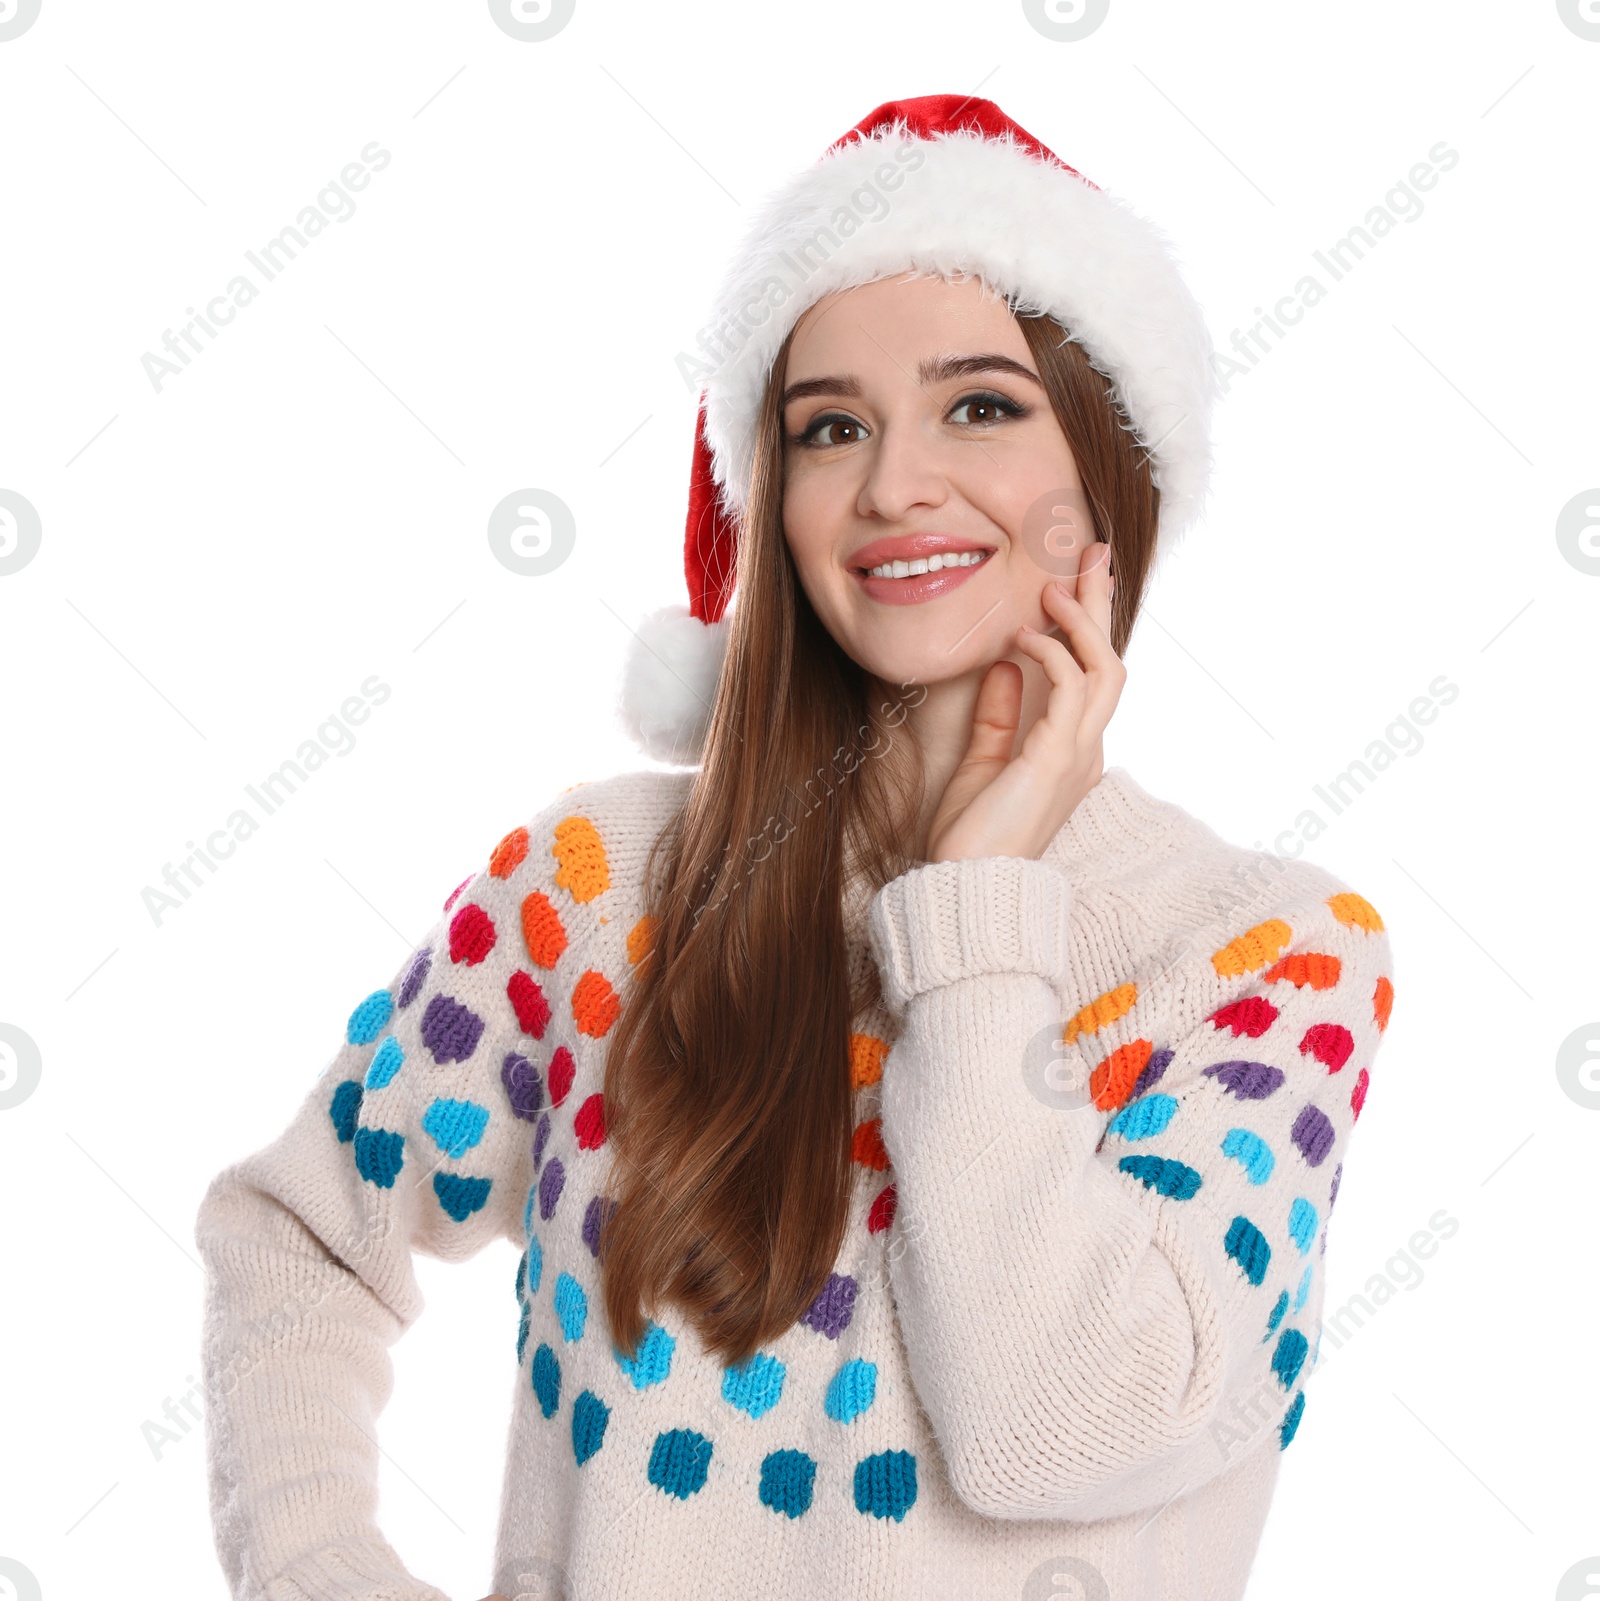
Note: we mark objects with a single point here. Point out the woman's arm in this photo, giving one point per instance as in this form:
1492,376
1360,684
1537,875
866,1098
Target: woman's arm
416,1137
1108,1299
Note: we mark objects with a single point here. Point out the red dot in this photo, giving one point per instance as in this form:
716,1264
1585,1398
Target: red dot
528,1002
471,935
590,1123
1358,1096
882,1213
562,1069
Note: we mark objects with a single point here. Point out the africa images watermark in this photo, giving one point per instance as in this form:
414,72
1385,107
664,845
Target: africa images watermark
333,738
1401,204
333,203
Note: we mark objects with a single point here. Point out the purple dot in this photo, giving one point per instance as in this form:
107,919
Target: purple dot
524,1088
1333,1194
1250,1081
416,975
541,1136
1313,1136
832,1310
1153,1069
595,1217
550,1182
449,1030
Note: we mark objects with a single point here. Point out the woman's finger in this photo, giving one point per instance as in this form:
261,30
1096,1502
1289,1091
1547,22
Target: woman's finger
1090,648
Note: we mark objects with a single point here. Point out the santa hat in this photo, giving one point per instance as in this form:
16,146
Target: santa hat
942,184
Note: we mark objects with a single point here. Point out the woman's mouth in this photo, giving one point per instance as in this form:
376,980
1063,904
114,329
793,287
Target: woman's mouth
921,570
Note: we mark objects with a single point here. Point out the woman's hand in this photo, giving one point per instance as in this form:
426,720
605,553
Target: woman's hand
999,805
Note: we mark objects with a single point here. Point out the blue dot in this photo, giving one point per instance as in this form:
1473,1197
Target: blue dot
851,1391
572,1307
527,1210
1289,1357
1275,1316
1302,1223
547,1380
370,1018
455,1126
460,1196
589,1418
1305,1287
535,1264
786,1481
1141,1119
1251,1152
345,1109
386,1062
886,1484
1291,1421
522,1331
754,1386
379,1155
1247,1245
652,1361
1156,1173
678,1462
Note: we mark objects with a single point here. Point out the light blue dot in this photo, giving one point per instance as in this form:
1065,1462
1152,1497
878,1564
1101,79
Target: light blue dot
1147,1116
851,1391
370,1018
572,1307
386,1062
1251,1152
1302,1223
754,1386
535,1264
455,1126
1305,1287
652,1361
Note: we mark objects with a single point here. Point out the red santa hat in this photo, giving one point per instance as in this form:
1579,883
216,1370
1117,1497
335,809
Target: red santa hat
946,185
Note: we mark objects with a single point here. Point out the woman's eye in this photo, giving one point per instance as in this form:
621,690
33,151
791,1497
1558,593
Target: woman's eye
834,429
982,410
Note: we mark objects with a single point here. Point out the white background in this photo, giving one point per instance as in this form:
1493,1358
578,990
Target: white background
225,561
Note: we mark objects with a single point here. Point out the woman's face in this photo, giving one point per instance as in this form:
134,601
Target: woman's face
916,428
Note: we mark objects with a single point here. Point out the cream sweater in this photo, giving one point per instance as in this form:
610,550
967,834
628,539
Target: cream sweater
1102,1120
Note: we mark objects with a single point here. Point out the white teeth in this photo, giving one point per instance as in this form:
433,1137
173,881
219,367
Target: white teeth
927,564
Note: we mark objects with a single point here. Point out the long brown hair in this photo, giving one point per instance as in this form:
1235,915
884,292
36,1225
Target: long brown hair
728,1083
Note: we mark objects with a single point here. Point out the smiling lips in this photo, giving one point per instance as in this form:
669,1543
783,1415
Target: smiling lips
924,566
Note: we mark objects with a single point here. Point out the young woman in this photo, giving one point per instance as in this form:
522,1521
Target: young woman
919,1138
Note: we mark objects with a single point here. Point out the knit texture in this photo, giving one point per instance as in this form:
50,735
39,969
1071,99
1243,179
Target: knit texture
1102,1116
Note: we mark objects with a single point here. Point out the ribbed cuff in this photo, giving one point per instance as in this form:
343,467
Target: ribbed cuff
360,1570
978,914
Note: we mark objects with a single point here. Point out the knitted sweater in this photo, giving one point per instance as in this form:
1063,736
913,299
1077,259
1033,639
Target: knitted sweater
1102,1116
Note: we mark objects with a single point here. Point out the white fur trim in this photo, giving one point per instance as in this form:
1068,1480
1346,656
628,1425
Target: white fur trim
990,208
669,684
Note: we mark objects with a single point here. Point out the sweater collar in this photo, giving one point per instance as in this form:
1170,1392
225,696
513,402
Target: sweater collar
1117,820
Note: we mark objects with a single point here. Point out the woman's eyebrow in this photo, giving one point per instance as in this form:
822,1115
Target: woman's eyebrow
940,369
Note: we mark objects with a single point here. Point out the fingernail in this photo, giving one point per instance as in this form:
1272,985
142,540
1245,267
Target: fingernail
1063,588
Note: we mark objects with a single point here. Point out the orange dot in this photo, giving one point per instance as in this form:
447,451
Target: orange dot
1355,912
509,854
1383,1002
1254,948
867,1052
1101,1010
1112,1081
583,870
867,1146
1317,969
542,932
642,939
595,1006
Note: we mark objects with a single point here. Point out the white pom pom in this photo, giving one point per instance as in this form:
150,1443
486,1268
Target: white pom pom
669,684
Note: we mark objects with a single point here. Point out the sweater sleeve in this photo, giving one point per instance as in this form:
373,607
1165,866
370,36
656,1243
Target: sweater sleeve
416,1137
1111,1208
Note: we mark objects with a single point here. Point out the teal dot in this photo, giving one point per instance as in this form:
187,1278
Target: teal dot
572,1307
522,1331
1247,1245
370,1018
461,1196
589,1418
678,1462
345,1110
1275,1316
886,1484
1289,1357
386,1062
851,1391
1176,1179
652,1361
1291,1421
535,1264
786,1481
754,1386
379,1155
547,1380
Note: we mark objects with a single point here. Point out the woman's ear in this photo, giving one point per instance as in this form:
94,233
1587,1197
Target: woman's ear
669,684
